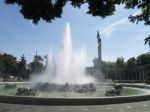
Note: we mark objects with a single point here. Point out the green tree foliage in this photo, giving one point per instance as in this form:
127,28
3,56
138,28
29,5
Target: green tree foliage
147,40
120,67
110,70
132,69
36,66
120,62
131,63
49,10
144,6
22,68
143,59
8,65
2,65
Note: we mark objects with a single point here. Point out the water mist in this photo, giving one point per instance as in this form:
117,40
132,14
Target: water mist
70,66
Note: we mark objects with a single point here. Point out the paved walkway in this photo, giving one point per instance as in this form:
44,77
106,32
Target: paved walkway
128,107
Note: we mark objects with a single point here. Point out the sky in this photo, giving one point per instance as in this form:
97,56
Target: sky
120,38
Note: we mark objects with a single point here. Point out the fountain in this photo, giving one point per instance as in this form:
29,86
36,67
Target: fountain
65,82
70,66
68,74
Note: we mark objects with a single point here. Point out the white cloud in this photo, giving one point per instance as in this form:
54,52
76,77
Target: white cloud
107,32
111,28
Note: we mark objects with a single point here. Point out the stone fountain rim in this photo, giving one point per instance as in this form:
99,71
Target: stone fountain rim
76,101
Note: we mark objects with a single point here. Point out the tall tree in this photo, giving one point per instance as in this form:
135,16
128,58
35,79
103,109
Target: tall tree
131,63
143,59
36,66
120,66
22,70
9,65
2,67
120,62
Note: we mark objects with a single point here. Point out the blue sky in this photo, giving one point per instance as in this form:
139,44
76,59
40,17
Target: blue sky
119,37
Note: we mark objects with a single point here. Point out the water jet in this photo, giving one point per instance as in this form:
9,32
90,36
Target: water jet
67,83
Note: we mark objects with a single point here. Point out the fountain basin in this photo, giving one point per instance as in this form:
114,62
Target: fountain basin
28,100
